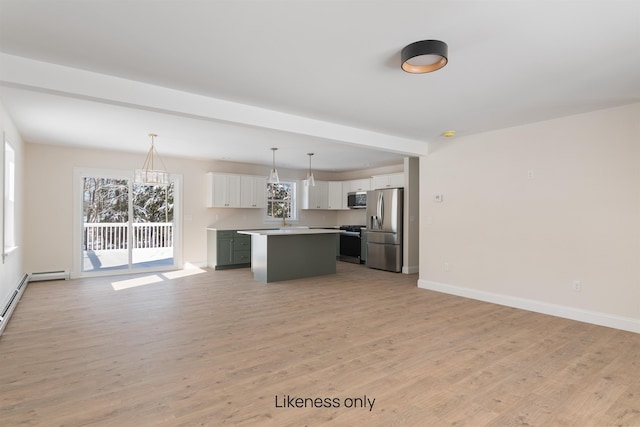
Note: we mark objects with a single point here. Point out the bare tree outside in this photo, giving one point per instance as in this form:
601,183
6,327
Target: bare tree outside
280,200
106,201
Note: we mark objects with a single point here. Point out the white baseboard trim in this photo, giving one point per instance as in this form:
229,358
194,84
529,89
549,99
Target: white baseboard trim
588,316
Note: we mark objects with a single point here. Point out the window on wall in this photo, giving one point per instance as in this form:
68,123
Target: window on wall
8,225
281,200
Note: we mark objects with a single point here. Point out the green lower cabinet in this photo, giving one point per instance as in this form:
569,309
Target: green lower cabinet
225,252
241,249
228,249
242,257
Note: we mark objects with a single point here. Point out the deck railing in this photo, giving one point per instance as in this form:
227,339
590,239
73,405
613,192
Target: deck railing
115,235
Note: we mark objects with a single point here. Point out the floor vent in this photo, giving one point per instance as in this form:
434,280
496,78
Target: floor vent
49,275
12,302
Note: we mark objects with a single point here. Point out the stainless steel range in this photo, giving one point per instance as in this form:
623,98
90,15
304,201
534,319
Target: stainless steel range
350,243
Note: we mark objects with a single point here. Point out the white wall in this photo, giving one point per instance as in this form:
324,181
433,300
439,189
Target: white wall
11,270
520,239
411,216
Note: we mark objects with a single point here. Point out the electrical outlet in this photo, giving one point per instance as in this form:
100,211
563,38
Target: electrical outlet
446,266
577,285
437,198
531,174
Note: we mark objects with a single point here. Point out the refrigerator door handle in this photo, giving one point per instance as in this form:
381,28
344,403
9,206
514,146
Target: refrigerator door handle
380,209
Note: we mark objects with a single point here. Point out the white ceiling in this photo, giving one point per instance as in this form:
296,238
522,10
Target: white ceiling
230,79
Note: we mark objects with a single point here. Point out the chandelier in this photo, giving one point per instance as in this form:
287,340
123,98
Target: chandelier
149,175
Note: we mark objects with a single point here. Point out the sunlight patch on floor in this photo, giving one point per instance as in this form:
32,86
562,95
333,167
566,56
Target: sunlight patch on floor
188,270
138,281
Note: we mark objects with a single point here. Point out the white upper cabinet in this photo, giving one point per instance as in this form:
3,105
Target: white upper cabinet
315,197
359,185
228,190
336,197
253,191
223,190
392,180
325,195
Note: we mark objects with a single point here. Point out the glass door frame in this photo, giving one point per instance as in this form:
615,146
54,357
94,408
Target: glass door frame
78,225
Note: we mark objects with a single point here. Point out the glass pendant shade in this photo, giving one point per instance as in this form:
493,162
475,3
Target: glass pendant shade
148,174
310,179
273,175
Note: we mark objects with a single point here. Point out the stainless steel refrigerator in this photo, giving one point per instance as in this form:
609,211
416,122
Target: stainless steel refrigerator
384,229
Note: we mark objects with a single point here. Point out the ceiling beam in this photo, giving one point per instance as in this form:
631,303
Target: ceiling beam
72,82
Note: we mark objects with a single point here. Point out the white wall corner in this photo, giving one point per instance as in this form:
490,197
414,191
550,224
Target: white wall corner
411,269
588,316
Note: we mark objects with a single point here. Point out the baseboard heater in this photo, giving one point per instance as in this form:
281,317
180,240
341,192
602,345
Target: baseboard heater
12,302
49,275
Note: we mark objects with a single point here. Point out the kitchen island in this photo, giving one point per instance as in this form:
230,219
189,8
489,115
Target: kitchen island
294,253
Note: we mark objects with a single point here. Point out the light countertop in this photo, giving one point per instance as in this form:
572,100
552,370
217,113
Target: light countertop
290,231
287,227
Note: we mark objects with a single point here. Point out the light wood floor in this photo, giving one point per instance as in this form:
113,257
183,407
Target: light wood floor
217,348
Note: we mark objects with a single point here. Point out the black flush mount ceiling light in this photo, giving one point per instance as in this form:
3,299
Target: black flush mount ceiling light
424,56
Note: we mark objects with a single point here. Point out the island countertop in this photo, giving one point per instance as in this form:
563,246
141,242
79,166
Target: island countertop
289,231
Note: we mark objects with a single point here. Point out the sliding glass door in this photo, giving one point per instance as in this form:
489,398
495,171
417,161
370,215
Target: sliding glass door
153,226
105,224
125,226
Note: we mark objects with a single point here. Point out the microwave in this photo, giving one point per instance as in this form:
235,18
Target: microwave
357,200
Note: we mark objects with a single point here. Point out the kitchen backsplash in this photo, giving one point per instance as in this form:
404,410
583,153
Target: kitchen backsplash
250,218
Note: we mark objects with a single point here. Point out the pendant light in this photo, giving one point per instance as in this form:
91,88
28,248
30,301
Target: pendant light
149,175
424,56
273,175
310,180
